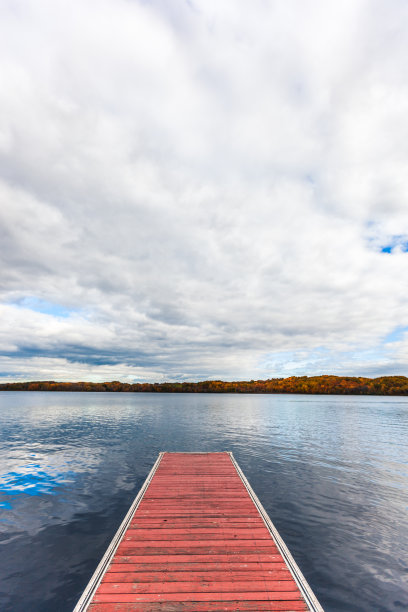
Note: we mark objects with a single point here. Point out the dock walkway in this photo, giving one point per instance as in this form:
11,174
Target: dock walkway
197,539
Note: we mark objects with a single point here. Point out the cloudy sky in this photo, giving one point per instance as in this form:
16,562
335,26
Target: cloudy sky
203,189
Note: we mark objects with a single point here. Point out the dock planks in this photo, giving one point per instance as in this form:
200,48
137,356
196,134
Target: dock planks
197,539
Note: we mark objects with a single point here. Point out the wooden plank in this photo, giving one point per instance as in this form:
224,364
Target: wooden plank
248,557
204,574
188,549
210,523
165,552
196,534
212,596
199,586
198,543
131,568
197,513
195,542
196,606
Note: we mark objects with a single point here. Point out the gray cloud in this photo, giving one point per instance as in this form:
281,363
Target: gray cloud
197,190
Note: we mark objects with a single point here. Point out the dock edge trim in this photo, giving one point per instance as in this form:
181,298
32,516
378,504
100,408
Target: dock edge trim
99,573
306,591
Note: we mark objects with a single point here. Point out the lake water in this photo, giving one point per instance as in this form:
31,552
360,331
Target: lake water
331,472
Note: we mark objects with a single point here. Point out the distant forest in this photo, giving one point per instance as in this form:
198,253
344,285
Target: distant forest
324,385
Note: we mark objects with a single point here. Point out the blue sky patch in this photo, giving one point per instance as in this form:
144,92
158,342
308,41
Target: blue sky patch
396,335
31,479
396,242
45,307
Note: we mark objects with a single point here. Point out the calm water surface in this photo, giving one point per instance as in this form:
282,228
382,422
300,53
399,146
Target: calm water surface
331,472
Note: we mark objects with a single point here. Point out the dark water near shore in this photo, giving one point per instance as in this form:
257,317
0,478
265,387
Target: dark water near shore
331,472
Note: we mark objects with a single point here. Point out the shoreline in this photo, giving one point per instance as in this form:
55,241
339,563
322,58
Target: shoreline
303,385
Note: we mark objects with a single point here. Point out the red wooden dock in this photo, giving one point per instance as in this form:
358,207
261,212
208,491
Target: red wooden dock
197,539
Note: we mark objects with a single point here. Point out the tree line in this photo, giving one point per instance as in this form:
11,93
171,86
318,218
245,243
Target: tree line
324,385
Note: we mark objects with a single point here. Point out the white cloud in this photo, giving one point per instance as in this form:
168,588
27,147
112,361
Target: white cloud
202,185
